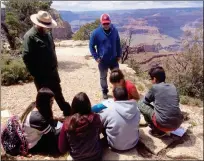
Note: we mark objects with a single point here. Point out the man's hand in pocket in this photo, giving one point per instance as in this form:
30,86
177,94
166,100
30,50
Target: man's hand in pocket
98,60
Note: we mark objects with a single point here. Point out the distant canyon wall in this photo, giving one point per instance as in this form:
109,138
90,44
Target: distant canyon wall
63,29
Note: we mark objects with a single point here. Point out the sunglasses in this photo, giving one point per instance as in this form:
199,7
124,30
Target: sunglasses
106,24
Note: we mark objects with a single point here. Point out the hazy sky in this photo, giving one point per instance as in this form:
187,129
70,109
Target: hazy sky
117,5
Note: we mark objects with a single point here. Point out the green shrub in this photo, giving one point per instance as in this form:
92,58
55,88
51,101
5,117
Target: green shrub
186,69
85,31
17,18
135,66
193,124
140,87
186,100
13,71
196,102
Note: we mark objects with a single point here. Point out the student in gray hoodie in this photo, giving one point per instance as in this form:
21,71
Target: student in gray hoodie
121,121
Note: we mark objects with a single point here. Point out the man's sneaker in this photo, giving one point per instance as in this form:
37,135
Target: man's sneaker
105,96
157,133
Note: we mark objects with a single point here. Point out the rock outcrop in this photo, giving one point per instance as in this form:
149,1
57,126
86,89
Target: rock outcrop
63,29
150,47
139,26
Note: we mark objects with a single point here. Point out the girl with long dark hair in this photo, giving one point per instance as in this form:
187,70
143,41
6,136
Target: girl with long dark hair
80,132
39,125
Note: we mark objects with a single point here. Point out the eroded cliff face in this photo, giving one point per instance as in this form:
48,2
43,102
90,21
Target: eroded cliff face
63,30
139,26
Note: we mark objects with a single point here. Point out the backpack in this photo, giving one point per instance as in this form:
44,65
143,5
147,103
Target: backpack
13,139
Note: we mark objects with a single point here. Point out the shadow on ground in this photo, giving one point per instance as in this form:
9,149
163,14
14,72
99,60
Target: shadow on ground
69,66
188,136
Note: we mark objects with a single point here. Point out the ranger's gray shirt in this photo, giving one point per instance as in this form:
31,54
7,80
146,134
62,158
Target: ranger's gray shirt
166,103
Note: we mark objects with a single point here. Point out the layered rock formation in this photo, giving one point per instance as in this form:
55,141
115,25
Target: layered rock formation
139,26
63,29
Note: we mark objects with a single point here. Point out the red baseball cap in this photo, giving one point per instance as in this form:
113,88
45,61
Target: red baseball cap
105,18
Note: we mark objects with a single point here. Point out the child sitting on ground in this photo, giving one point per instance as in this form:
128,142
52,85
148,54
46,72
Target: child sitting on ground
121,121
117,79
165,115
39,125
80,132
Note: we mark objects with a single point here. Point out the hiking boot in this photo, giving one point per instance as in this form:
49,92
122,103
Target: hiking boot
157,133
105,96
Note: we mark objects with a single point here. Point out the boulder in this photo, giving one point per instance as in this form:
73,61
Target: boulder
155,145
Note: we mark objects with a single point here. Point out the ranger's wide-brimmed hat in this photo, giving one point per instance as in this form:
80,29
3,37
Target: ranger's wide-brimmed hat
43,19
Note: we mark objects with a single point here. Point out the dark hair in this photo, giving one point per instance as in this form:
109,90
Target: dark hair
120,93
81,108
116,75
42,104
81,104
157,72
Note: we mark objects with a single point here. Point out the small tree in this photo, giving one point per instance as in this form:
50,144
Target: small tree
186,69
126,41
18,13
85,31
125,46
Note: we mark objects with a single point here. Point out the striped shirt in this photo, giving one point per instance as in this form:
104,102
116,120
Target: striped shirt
35,126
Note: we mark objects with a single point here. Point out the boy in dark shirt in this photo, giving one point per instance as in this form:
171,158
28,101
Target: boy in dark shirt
164,115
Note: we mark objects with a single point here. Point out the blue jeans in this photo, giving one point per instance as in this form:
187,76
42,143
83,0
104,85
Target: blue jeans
103,69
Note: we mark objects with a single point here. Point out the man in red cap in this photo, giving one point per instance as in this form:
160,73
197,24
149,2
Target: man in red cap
105,47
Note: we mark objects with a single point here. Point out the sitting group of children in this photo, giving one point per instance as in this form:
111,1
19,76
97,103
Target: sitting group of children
119,123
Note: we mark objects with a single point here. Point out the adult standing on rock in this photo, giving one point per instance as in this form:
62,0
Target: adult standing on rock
106,49
40,57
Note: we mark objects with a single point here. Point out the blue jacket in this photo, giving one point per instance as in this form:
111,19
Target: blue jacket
107,45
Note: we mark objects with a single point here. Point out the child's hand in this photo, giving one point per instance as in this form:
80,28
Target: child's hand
60,119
